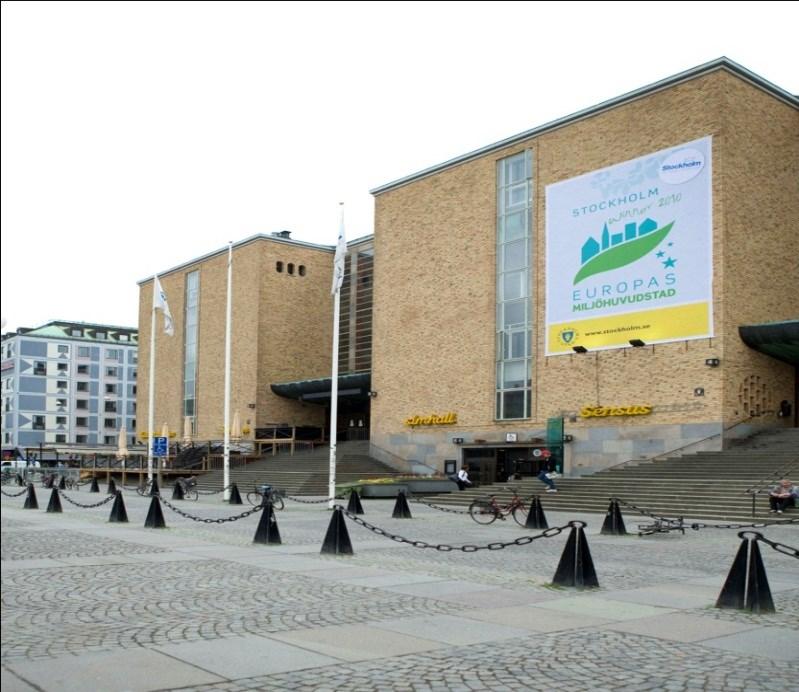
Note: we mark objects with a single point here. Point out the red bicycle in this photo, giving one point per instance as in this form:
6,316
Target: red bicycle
487,510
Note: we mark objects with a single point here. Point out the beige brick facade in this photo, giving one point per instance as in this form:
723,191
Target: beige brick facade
435,293
281,331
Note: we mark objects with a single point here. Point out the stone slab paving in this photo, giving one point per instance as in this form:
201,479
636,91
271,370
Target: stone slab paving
87,604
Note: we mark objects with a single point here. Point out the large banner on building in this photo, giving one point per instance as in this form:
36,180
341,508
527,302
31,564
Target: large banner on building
629,252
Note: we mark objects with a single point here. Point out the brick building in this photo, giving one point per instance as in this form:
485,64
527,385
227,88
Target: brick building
624,279
527,280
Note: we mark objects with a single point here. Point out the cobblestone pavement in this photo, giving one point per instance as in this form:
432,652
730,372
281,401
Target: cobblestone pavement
80,594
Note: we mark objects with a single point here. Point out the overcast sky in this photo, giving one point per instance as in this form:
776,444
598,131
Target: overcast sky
137,136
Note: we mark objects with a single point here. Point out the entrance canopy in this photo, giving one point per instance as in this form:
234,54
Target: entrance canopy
354,387
779,340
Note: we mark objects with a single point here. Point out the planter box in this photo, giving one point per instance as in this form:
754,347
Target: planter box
419,487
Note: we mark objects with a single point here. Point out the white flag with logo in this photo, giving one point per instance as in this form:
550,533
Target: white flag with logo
159,303
338,261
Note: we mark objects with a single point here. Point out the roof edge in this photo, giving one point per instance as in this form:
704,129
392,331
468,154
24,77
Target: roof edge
722,63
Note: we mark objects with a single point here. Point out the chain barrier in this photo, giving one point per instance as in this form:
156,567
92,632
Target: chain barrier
312,502
698,525
467,548
762,525
214,492
21,492
439,507
779,547
78,504
221,520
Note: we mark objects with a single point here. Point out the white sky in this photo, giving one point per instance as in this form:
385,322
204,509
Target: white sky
137,136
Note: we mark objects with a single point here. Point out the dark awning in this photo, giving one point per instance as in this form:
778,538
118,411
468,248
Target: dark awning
318,391
776,339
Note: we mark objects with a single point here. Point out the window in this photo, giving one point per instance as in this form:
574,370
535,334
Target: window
109,422
191,338
111,372
38,422
113,354
123,337
60,438
82,422
83,370
82,386
110,407
62,384
108,440
62,348
81,439
110,389
514,281
100,335
60,420
63,367
39,368
301,270
279,267
76,332
84,352
82,404
61,403
290,268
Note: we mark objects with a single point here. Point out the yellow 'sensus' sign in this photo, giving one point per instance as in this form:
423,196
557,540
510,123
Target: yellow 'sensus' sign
445,419
602,411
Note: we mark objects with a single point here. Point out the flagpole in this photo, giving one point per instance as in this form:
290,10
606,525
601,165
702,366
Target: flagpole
151,393
226,479
337,266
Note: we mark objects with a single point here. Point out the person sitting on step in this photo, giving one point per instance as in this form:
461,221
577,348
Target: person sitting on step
782,496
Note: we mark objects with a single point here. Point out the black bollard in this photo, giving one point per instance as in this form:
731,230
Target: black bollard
354,506
62,484
177,491
118,512
401,509
267,531
235,496
30,499
535,517
54,506
337,540
155,517
112,487
747,586
614,524
576,568
155,490
95,487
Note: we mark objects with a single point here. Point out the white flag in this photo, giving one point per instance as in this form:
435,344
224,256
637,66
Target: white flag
338,261
159,303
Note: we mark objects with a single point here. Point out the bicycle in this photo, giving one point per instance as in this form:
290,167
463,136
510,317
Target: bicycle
145,487
487,510
189,487
265,492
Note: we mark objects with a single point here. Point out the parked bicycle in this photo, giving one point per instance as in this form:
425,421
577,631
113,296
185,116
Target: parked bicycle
487,510
53,480
256,497
145,487
189,488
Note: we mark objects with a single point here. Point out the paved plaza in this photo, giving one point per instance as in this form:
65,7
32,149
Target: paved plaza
99,606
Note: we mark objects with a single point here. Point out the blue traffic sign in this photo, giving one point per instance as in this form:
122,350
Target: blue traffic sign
159,447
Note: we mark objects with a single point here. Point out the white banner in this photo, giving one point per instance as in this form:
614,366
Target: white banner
629,252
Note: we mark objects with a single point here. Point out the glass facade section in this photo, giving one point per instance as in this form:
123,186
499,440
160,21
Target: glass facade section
190,341
514,284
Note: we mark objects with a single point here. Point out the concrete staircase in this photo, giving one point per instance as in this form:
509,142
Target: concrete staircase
706,485
304,473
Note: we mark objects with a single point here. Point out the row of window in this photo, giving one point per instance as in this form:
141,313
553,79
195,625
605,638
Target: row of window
289,268
40,368
38,422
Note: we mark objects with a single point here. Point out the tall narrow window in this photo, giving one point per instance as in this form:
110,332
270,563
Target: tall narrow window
514,282
190,355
